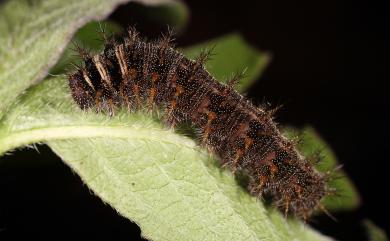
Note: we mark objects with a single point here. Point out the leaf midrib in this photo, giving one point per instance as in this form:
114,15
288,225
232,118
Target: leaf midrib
9,141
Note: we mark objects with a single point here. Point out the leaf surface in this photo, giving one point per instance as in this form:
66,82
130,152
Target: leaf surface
157,178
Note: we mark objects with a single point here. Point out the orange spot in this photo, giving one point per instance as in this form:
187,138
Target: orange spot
268,159
242,128
179,90
273,170
248,142
136,93
154,77
152,95
263,180
210,117
172,106
133,73
206,133
239,154
125,97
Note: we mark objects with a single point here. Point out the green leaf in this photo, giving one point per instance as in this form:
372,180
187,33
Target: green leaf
31,43
175,14
232,54
159,179
374,232
347,197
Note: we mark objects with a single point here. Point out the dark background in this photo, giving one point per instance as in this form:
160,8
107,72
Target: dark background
327,70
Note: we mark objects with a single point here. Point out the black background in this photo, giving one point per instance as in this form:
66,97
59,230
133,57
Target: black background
327,69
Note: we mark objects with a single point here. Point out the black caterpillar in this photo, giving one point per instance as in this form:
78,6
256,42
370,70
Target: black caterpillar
134,73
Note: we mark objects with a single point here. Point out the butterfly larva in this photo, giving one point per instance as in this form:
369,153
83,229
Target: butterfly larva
135,73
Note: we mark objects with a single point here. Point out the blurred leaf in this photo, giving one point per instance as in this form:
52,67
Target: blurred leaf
232,54
347,197
87,37
159,179
374,232
175,14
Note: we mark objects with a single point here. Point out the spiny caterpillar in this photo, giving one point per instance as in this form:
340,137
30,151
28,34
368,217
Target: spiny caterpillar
133,73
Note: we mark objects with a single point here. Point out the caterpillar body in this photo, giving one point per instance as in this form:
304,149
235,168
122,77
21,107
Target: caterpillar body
134,73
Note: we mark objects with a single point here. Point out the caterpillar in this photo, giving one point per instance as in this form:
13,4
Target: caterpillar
132,73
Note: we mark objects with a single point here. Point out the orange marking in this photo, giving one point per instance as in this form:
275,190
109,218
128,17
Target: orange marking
172,106
121,92
154,77
248,142
136,92
206,133
179,90
273,169
263,180
210,117
269,157
242,128
152,95
125,97
133,73
239,154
